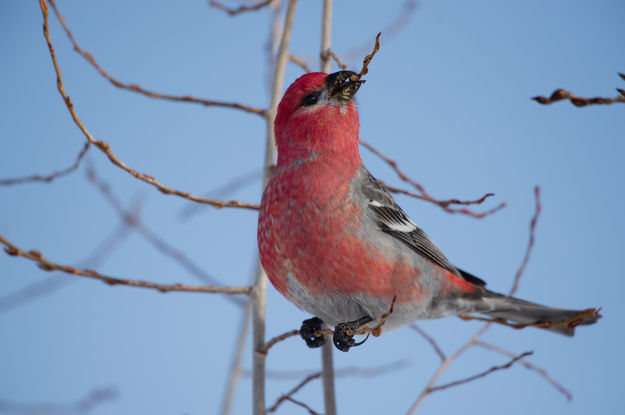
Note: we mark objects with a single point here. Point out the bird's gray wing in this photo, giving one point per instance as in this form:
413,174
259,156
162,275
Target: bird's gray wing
392,220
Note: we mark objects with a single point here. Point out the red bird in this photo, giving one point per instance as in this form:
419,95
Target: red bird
334,241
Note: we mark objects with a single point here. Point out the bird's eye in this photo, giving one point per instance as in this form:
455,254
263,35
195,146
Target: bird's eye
310,99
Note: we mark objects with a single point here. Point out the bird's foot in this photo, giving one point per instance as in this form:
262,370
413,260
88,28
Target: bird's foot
344,334
308,329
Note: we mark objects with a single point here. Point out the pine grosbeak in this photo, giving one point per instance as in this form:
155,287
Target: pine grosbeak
335,243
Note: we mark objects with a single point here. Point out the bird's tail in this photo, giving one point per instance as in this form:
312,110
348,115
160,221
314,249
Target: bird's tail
524,312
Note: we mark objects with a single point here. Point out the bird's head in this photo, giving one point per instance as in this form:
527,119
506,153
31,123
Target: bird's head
317,114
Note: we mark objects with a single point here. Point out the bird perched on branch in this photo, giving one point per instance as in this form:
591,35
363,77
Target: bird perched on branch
335,243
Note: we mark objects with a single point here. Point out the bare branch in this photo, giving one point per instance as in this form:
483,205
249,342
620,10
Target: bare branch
368,58
300,62
444,204
293,391
31,292
349,371
542,372
241,9
102,250
327,377
530,243
430,340
223,191
92,400
570,323
480,375
50,285
303,405
50,177
329,53
560,94
326,36
47,265
104,146
235,366
140,90
277,339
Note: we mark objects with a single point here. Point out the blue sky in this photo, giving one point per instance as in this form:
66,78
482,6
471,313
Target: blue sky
447,97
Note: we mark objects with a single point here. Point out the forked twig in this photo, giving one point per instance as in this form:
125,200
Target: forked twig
542,372
293,391
303,405
481,374
330,54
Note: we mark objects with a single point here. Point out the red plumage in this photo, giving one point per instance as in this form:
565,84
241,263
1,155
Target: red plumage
336,244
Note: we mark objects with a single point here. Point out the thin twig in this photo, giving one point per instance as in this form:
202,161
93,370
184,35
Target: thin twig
50,285
84,405
480,375
32,292
444,204
560,94
542,372
50,177
139,89
350,371
104,146
237,358
570,323
300,62
329,53
430,340
223,191
47,265
530,244
303,405
241,9
293,391
368,58
277,339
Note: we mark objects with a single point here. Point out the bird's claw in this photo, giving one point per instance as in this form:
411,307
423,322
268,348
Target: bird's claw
308,329
343,337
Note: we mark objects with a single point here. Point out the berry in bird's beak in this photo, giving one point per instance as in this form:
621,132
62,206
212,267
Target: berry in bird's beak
343,85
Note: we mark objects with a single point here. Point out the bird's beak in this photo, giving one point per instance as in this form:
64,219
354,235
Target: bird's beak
340,86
